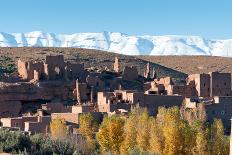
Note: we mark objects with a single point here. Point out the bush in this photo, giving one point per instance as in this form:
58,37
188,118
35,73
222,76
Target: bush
14,141
41,145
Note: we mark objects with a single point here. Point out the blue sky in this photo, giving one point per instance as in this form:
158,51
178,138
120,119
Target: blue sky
207,18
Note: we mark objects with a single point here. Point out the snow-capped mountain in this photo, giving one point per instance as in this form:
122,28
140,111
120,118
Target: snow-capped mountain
122,43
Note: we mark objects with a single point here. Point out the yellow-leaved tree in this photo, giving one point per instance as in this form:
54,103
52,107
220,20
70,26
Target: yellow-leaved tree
201,146
143,130
58,128
130,132
111,134
172,132
157,138
87,128
220,143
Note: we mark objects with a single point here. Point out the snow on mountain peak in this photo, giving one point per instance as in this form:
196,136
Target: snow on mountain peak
122,43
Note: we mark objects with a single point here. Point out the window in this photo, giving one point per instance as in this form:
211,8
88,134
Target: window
120,97
222,112
57,70
204,84
16,124
225,83
213,112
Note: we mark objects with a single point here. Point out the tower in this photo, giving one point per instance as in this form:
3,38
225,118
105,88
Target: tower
78,92
147,71
116,65
154,75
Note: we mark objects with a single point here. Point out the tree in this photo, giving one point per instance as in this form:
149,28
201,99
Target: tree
58,128
156,138
172,132
201,113
143,131
201,146
111,134
220,144
130,133
87,128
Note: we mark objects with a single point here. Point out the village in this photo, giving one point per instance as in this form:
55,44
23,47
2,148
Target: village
57,89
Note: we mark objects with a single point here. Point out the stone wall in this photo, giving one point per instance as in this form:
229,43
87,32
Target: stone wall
153,102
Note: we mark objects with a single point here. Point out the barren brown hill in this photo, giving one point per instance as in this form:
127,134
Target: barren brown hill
193,64
91,58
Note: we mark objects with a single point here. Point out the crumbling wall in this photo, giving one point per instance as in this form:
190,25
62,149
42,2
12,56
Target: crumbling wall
26,69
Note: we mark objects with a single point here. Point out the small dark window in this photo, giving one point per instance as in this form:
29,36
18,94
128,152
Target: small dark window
204,84
223,112
213,112
225,83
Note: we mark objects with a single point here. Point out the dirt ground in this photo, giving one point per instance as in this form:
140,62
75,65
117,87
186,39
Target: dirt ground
91,58
193,64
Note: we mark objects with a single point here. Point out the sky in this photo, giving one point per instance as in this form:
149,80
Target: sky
207,18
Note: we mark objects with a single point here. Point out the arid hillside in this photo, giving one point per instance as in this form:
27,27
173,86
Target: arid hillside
176,66
193,64
91,58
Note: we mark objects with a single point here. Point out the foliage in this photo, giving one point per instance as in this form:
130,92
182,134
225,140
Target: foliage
7,64
143,131
220,143
18,143
13,141
111,134
168,133
130,133
41,145
58,129
87,128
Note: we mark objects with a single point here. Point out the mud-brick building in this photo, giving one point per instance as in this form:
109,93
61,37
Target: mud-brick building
126,99
212,84
53,68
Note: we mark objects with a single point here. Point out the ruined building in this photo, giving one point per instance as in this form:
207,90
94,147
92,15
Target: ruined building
212,84
147,73
116,65
53,68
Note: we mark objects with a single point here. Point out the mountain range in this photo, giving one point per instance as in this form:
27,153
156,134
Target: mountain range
122,43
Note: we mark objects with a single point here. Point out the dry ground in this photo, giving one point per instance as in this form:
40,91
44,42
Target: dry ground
176,66
193,64
91,58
